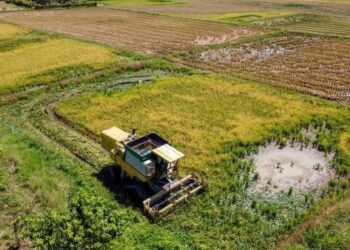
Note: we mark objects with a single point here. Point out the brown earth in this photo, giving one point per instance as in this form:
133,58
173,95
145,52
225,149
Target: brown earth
148,33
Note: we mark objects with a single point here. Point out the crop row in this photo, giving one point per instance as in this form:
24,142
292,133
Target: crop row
129,30
324,26
319,66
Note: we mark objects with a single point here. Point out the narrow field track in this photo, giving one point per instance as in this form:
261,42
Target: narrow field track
313,65
131,30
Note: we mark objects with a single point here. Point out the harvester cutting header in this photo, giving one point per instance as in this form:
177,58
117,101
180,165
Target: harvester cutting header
152,162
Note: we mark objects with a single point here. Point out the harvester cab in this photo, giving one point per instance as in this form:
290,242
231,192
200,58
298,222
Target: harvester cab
151,160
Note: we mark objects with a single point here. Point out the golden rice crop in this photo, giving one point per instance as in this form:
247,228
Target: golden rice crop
199,114
7,31
30,60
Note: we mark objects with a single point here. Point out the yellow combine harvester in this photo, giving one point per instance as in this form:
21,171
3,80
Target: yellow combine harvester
152,161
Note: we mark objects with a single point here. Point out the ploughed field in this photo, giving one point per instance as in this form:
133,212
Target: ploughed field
142,32
314,65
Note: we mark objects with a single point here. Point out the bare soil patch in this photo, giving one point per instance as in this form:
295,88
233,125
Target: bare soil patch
290,167
130,30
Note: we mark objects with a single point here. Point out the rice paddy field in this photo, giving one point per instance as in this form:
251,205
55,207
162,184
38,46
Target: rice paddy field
8,31
131,30
21,64
224,113
312,65
254,93
311,24
203,7
241,113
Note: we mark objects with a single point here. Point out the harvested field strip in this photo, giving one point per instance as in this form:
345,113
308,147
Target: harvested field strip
130,30
240,18
27,61
8,31
330,26
319,66
139,2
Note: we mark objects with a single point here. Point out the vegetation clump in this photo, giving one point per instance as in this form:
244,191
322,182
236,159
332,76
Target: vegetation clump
91,222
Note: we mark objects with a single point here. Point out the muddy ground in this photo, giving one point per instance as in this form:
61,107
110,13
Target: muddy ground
303,170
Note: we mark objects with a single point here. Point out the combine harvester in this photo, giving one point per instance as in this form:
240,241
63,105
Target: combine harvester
152,162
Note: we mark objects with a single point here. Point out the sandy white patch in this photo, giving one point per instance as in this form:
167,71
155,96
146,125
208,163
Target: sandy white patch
240,55
207,40
279,169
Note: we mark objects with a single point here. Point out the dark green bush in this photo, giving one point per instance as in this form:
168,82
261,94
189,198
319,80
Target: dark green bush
91,222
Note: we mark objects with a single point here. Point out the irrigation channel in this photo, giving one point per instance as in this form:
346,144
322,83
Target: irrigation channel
32,109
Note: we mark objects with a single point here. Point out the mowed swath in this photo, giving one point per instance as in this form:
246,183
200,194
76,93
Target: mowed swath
330,26
313,65
131,30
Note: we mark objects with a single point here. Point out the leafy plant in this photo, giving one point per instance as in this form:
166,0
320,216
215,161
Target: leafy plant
91,222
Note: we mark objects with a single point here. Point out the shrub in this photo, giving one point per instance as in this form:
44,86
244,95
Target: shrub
90,223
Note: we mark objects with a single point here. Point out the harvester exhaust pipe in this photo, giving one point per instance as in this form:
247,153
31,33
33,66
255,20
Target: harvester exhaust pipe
133,131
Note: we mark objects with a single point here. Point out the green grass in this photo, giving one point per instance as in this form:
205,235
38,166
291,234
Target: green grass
329,230
226,120
36,181
298,5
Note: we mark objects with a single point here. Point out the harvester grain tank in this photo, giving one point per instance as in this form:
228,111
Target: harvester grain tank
152,162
